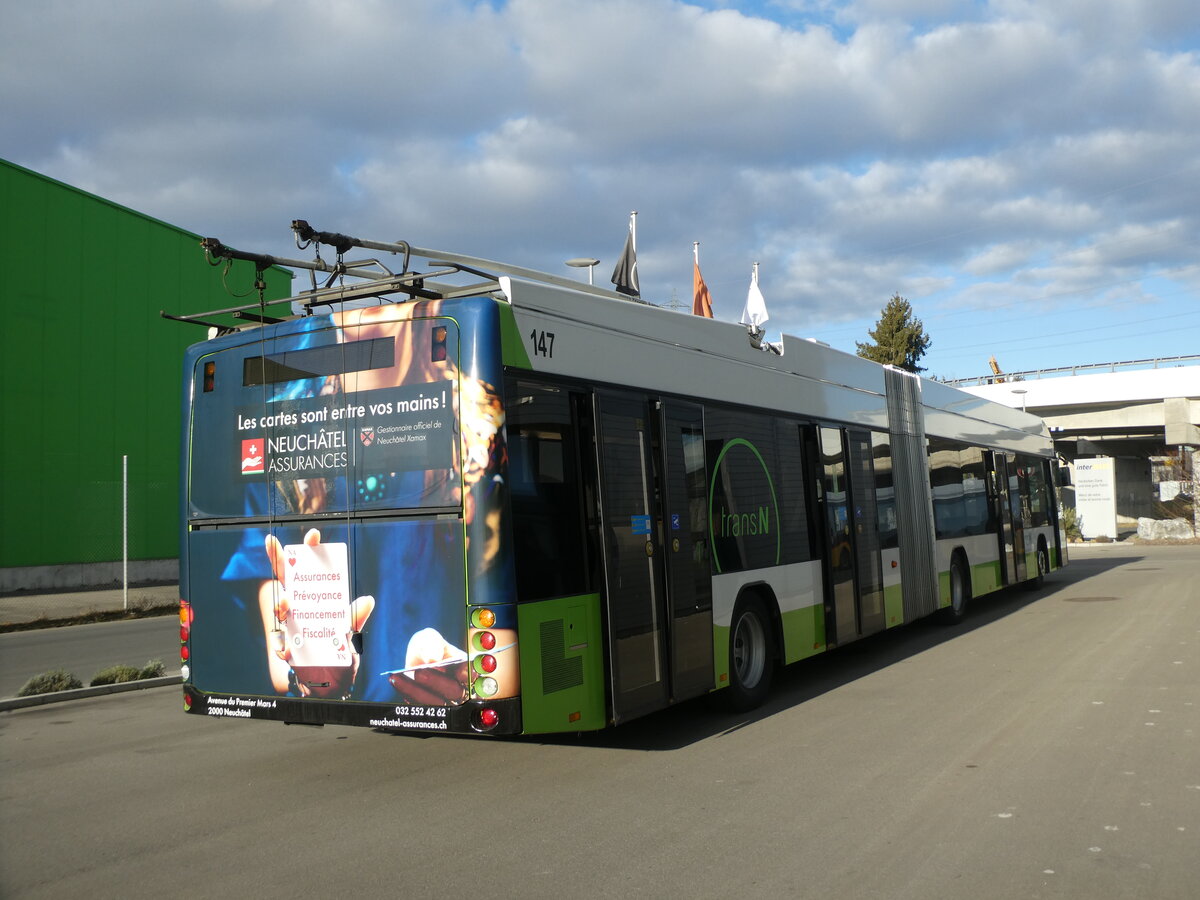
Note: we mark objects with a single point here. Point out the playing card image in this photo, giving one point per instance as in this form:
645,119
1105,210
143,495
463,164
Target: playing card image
317,580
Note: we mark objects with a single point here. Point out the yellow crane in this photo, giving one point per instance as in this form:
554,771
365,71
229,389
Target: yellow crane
999,379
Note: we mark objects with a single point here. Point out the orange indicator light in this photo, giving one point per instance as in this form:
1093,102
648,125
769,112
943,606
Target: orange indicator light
437,351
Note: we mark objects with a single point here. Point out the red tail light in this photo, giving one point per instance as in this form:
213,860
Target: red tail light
485,640
487,719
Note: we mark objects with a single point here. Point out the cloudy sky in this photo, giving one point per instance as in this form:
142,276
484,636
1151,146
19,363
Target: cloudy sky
1025,172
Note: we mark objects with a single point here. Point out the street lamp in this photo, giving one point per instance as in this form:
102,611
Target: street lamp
1021,392
584,262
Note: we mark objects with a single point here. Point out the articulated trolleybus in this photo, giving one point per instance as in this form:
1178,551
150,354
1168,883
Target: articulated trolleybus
485,500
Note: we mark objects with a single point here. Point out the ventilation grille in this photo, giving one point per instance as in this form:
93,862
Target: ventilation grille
558,672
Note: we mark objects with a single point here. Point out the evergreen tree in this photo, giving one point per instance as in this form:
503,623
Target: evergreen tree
899,339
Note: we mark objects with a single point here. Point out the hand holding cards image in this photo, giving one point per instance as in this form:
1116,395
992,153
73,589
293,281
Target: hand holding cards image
318,580
308,616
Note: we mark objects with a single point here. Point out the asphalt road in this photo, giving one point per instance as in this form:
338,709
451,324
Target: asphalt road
1046,749
86,649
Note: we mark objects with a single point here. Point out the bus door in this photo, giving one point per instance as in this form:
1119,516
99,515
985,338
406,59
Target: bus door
685,532
1057,478
854,581
1001,495
658,597
865,516
1017,503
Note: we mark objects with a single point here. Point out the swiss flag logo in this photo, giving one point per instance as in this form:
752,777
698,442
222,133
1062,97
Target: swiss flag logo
252,456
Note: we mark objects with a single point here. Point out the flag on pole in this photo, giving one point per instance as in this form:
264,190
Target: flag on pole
755,313
701,299
625,275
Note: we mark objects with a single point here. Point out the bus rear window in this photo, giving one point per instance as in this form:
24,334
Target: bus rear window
318,362
329,420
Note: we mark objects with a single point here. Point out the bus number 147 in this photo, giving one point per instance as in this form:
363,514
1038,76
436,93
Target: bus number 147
543,342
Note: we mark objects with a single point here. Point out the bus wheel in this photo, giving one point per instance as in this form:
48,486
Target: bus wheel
751,662
960,592
1043,566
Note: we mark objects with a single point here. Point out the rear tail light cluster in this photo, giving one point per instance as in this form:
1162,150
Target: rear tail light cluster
483,664
185,634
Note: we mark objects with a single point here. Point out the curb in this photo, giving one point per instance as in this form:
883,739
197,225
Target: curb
83,693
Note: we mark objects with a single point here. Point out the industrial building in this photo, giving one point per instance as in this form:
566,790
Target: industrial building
92,382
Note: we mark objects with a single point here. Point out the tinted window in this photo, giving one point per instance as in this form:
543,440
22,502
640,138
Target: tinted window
550,527
957,476
885,490
378,434
1035,490
318,362
756,509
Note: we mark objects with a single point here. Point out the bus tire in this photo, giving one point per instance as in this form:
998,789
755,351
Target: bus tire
1043,566
751,658
960,592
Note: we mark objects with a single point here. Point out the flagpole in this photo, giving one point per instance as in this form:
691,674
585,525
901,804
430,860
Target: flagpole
696,251
633,228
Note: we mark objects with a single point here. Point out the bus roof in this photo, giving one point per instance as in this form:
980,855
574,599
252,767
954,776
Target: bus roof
662,345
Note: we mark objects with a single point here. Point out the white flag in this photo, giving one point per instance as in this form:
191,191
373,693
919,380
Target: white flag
755,312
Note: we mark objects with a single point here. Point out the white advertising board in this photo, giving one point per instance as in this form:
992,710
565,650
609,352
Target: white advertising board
1096,497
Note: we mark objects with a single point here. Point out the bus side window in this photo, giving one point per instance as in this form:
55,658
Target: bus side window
549,524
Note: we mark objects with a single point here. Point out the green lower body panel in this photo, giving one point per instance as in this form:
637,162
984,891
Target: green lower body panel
562,665
721,656
803,636
803,633
893,604
985,578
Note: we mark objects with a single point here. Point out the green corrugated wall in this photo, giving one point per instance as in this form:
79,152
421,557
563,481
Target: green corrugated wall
91,372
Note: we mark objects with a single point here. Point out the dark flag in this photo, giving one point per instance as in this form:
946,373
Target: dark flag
625,275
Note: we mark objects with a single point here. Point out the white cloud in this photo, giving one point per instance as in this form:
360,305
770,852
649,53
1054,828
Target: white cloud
944,149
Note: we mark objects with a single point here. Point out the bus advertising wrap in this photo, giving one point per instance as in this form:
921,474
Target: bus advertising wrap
325,604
